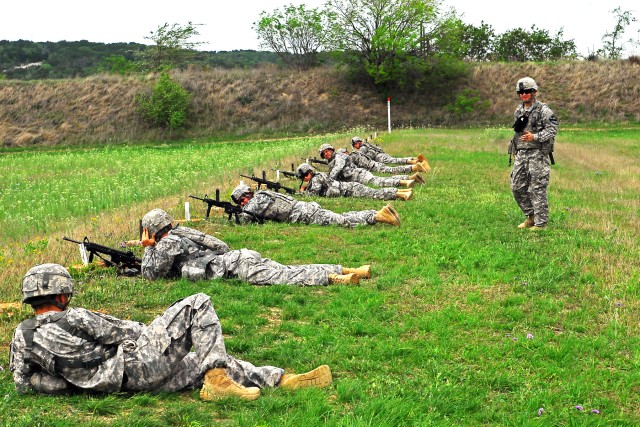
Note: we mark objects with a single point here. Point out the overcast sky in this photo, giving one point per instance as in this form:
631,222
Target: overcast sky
227,24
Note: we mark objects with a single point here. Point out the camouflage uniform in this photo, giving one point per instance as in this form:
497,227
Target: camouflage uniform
377,154
191,254
341,169
274,206
321,185
531,169
360,160
97,352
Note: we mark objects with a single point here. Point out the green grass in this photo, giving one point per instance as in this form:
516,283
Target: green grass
440,334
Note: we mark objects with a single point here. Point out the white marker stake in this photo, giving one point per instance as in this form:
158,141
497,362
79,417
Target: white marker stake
187,213
389,113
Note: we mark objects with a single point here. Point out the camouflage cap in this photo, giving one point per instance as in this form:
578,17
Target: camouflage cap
355,139
46,279
155,220
241,189
526,83
303,169
325,147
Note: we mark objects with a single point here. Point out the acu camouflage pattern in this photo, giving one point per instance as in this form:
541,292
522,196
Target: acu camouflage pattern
157,357
321,185
342,169
179,256
377,154
360,160
279,207
531,170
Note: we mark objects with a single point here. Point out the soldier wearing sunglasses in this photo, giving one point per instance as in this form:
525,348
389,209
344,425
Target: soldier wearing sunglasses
535,128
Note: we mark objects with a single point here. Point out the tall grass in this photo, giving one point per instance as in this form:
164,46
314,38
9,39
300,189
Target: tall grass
467,320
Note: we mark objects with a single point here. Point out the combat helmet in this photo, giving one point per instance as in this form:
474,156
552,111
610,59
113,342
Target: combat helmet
355,139
324,147
155,220
237,192
303,169
46,280
526,83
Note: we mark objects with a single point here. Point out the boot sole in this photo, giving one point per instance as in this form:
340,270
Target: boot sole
319,377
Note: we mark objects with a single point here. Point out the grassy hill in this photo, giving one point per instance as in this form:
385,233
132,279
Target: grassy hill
270,101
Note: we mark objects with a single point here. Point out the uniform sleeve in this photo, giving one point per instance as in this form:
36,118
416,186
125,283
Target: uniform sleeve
339,162
104,328
22,371
158,260
549,126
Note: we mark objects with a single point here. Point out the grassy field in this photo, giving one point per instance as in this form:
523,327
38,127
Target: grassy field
467,320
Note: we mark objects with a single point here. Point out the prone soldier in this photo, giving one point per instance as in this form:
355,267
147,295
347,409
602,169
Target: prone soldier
320,184
341,168
273,206
176,251
65,349
377,154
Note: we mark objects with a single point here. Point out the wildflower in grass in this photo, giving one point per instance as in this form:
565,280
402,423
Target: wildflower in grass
540,412
595,411
618,304
529,336
579,407
515,338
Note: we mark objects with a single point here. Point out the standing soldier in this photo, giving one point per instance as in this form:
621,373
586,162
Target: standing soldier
273,206
65,349
535,129
377,154
342,169
176,251
319,184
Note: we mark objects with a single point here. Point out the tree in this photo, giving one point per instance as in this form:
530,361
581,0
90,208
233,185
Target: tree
295,34
612,47
167,104
385,39
520,45
172,48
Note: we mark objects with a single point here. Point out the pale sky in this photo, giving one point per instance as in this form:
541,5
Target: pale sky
227,24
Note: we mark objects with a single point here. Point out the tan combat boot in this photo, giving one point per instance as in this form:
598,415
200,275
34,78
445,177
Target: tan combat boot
404,194
425,165
217,385
386,215
409,183
418,167
393,212
344,279
529,222
417,177
319,377
421,158
363,272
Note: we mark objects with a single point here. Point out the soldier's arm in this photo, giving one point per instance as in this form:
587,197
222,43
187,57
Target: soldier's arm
257,206
158,260
22,371
104,328
549,126
338,164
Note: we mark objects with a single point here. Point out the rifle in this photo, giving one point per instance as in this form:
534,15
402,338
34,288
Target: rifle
313,160
271,185
229,208
126,262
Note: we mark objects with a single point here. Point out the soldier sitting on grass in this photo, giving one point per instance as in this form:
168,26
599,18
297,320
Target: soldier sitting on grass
64,349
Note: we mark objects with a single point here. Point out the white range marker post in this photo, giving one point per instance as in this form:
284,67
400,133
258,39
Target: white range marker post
187,213
389,113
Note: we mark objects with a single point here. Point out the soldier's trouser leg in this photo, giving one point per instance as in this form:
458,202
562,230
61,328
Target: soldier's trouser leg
249,266
312,213
540,170
163,350
367,177
520,179
385,158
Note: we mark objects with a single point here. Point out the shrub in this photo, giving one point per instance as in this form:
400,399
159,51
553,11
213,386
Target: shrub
167,104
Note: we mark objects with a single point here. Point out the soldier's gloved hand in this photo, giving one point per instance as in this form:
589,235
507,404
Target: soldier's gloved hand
45,383
128,346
